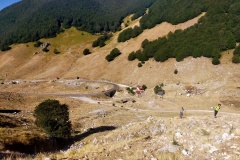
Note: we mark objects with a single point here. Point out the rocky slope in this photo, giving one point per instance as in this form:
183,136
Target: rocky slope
144,126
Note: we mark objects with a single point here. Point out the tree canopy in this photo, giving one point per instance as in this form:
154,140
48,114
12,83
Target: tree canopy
53,118
30,20
217,31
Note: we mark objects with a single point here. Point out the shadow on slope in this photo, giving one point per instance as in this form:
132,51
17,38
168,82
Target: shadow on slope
49,145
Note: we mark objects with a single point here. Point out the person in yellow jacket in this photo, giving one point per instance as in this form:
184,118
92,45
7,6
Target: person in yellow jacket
216,109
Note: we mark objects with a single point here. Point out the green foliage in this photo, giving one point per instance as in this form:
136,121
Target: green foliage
144,43
140,56
53,118
113,54
144,87
125,35
217,31
236,58
139,65
129,33
132,56
86,51
237,50
31,20
130,90
215,61
158,88
38,44
101,40
197,53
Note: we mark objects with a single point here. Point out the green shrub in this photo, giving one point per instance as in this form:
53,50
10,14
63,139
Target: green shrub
130,90
86,51
101,40
113,54
131,56
236,58
53,118
139,64
144,43
215,61
38,44
237,50
159,88
144,87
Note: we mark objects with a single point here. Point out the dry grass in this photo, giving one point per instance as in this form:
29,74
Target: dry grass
219,82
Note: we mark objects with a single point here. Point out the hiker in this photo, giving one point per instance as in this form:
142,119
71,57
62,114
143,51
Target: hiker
216,109
181,112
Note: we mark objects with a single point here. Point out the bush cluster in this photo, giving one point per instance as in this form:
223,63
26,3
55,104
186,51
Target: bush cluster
113,54
158,88
217,31
129,33
101,40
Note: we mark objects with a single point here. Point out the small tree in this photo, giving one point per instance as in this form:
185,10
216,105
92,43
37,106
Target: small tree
86,51
132,56
215,61
144,87
113,54
53,118
139,65
159,88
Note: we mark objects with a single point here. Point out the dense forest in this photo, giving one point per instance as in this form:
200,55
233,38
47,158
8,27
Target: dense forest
217,31
30,20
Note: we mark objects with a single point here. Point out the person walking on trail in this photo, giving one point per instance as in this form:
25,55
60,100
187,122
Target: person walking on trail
181,112
216,109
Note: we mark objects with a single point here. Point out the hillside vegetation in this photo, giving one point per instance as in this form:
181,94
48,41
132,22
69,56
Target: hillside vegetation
125,126
218,31
30,20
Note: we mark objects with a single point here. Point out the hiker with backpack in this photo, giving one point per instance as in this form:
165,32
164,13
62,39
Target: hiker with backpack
216,109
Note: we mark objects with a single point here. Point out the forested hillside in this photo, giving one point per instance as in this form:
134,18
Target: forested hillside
217,31
30,20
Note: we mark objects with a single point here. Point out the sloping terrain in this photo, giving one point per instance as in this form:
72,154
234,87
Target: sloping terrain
146,126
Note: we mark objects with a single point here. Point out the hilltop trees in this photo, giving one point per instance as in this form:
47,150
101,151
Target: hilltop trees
217,31
53,118
45,19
